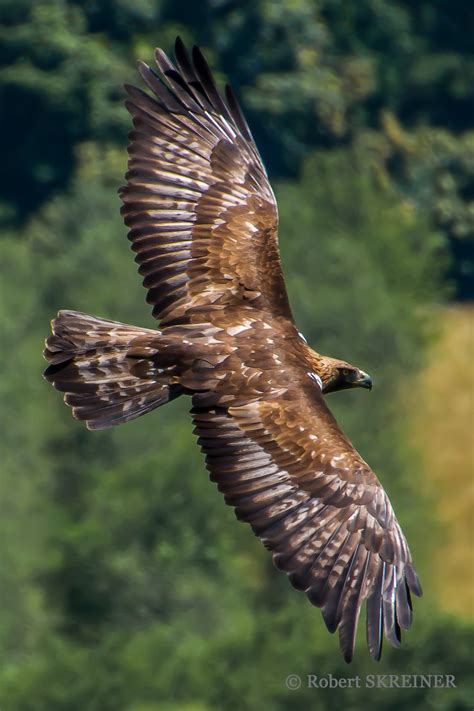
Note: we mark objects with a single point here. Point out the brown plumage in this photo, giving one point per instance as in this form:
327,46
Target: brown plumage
203,223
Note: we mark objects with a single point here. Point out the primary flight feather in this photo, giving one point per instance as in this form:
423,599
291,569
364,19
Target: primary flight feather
203,222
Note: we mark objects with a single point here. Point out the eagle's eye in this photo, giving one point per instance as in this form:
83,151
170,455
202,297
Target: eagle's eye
345,372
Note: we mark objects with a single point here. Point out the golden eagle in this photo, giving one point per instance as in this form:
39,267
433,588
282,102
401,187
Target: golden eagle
203,224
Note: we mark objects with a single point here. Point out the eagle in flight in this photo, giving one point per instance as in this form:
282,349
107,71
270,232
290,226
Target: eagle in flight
203,223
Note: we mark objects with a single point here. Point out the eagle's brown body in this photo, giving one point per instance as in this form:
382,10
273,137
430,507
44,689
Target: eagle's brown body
203,223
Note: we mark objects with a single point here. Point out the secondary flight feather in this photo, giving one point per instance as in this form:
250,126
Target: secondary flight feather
203,223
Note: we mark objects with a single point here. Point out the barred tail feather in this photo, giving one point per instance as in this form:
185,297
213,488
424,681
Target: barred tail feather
107,370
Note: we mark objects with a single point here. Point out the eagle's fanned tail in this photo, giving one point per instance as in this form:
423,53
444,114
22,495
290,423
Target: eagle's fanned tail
109,371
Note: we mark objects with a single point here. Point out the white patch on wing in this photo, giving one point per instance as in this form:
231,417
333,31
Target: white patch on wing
316,379
302,337
238,328
251,227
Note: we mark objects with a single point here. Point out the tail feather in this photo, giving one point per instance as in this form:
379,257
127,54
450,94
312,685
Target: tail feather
78,333
109,371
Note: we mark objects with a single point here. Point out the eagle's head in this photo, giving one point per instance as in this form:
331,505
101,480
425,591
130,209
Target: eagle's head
339,375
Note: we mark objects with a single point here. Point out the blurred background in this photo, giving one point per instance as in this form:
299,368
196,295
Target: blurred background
126,583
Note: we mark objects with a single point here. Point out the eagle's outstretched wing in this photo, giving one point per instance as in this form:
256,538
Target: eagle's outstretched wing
202,215
290,472
203,222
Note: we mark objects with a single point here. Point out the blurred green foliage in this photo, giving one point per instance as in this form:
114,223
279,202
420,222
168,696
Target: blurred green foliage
127,585
311,73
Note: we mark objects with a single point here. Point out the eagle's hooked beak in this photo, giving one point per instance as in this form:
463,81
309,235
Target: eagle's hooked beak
364,380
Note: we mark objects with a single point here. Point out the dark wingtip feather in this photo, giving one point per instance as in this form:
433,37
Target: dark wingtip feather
177,82
347,654
136,94
56,367
350,602
148,75
413,581
162,60
347,636
237,113
179,46
206,78
329,618
183,59
404,608
392,628
376,653
128,88
374,617
141,65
